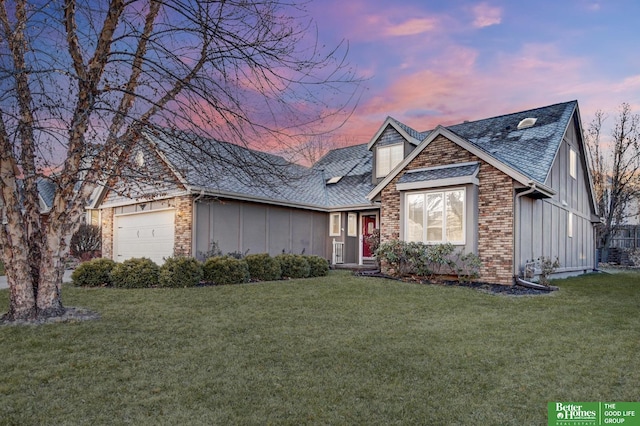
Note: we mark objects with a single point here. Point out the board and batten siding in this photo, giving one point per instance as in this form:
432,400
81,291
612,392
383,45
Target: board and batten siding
543,224
238,226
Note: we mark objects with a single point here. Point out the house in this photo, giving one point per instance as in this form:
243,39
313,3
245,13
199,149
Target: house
46,192
510,188
183,201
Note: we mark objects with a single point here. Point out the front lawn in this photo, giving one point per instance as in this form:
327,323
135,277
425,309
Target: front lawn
333,350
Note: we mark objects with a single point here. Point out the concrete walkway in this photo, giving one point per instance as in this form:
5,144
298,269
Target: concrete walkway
65,279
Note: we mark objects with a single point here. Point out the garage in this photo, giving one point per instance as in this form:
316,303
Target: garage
150,234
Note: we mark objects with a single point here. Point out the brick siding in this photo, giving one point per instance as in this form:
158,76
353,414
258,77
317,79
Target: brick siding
184,225
107,233
495,208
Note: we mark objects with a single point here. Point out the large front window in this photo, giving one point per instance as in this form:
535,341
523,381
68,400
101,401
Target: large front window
388,158
435,217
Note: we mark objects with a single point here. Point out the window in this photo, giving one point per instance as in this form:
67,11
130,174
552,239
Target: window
352,225
570,225
94,217
334,225
387,158
436,217
573,163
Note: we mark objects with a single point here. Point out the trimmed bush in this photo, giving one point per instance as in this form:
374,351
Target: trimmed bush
263,267
225,270
293,265
138,272
318,266
180,271
94,273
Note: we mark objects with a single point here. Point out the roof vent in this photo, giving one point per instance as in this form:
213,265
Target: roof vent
334,179
527,122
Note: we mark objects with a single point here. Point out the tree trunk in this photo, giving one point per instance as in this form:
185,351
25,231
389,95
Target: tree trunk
22,300
49,303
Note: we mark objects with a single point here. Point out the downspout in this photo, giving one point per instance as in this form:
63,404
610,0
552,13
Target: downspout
516,229
194,222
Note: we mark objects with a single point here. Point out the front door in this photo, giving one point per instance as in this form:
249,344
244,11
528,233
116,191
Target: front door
368,225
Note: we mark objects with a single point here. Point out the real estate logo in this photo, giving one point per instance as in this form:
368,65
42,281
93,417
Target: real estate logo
573,413
593,413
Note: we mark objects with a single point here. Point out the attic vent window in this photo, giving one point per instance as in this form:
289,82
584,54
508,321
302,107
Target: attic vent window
334,179
527,122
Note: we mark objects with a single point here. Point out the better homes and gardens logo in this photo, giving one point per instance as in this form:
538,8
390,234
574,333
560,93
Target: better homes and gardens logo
580,413
593,413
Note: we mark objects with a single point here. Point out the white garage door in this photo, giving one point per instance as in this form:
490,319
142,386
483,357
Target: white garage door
148,234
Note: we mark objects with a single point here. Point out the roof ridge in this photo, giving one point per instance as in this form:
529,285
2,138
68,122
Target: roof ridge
506,115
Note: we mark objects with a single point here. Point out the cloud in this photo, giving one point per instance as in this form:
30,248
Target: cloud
412,27
486,15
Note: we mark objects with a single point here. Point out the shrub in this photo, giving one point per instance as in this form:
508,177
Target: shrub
135,273
403,258
547,267
93,273
263,267
318,266
293,265
467,266
86,242
226,270
180,271
398,256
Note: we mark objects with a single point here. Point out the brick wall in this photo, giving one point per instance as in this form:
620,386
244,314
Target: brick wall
184,225
107,233
495,205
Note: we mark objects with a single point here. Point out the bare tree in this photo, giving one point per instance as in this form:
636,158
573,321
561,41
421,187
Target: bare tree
78,78
615,168
315,147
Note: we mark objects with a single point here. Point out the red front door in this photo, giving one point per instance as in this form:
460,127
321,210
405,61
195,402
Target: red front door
368,225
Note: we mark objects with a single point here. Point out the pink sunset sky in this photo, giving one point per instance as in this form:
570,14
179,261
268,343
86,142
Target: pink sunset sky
443,62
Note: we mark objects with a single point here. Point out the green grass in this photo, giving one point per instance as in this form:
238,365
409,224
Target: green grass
333,350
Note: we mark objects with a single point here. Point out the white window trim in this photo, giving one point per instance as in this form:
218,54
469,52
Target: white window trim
570,224
405,217
352,225
573,163
333,219
389,147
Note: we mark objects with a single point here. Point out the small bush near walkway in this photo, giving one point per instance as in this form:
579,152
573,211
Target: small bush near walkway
94,273
263,267
225,270
180,272
135,273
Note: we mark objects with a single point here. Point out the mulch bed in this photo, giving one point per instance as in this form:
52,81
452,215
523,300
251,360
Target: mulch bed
512,290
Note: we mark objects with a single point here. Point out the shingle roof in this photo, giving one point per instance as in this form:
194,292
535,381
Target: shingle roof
351,160
435,173
410,131
530,151
231,169
47,190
